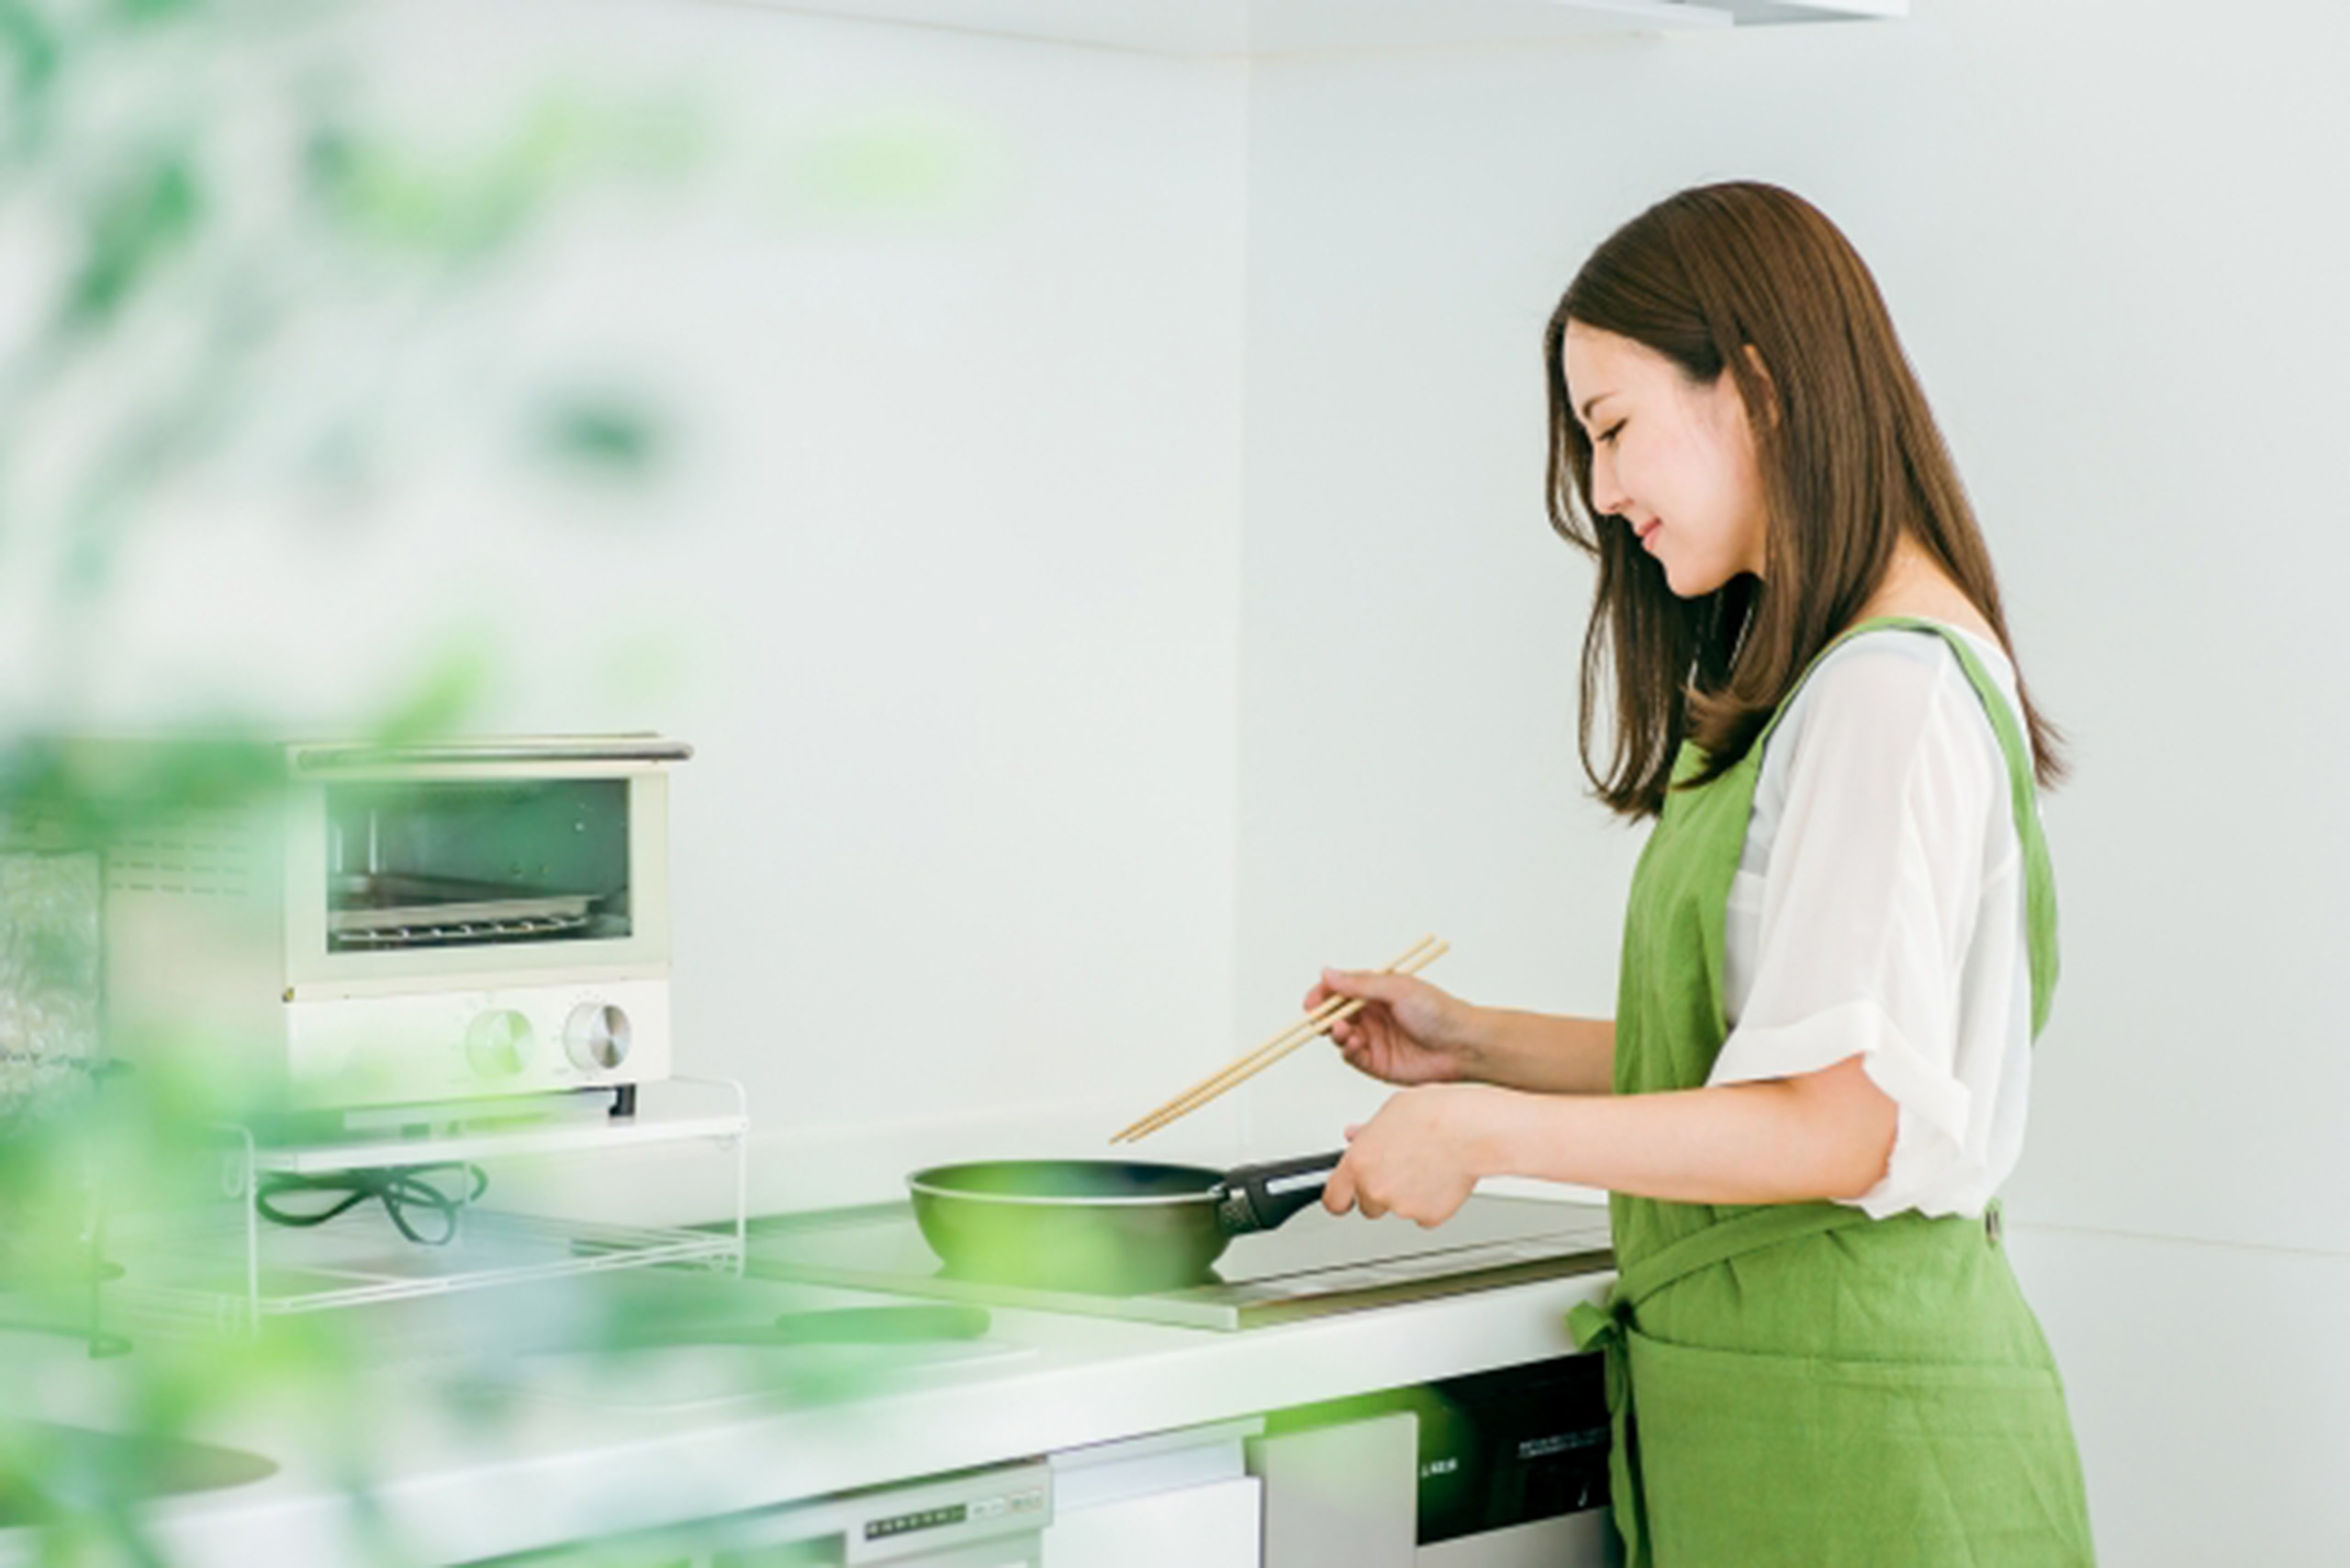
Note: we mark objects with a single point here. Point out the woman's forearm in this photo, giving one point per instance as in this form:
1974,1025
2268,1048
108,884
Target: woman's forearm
1543,1052
1824,1134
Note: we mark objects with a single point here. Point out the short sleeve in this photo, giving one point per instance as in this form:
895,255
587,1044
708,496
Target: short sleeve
1865,916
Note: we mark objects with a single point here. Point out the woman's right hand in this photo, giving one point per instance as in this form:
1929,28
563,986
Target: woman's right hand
1409,1031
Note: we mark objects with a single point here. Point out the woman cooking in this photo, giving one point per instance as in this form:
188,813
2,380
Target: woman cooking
1839,945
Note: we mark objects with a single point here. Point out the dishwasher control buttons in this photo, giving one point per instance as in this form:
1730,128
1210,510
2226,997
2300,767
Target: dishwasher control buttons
976,1510
597,1035
928,1518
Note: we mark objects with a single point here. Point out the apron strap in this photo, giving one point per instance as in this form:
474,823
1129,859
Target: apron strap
1718,1243
1732,1238
1604,1328
2023,796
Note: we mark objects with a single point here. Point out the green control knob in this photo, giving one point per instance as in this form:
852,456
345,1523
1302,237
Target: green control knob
499,1043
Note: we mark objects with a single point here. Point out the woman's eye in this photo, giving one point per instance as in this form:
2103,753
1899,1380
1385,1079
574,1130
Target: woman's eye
1608,436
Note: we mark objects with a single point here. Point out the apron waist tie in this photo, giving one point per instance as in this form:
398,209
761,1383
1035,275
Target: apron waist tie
1605,1328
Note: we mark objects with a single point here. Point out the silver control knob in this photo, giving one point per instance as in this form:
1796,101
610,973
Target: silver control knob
498,1044
597,1035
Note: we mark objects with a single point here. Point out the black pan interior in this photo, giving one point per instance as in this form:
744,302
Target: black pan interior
1071,1179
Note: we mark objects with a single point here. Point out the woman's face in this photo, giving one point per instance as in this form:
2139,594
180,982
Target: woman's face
1675,458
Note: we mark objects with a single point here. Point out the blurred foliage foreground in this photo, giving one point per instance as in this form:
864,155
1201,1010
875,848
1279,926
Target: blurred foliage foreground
182,184
186,187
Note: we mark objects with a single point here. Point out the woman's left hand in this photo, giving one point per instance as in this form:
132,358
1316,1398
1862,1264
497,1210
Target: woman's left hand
1419,1156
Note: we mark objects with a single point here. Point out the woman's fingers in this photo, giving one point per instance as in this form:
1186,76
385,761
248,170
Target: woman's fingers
1374,1038
1371,985
1338,1192
1341,1193
1347,1031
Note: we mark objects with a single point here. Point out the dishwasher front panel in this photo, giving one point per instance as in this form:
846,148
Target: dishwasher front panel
1512,1463
992,1517
1586,1539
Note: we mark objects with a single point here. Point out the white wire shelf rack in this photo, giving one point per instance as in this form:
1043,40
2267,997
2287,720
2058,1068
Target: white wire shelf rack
220,1268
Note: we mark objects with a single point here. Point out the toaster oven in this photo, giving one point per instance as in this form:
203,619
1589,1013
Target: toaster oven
403,925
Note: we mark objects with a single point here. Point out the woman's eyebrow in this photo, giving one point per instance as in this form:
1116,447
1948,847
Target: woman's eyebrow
1595,399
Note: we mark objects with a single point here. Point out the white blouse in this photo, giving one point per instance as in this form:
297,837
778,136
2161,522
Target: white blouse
1878,912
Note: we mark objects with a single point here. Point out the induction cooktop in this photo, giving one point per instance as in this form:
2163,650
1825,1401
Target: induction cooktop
1315,1264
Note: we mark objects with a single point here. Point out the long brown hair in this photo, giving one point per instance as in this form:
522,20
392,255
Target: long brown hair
1851,460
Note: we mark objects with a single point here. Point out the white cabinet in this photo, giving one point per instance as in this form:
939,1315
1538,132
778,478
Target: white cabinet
1170,1500
1344,1493
1213,1524
1271,28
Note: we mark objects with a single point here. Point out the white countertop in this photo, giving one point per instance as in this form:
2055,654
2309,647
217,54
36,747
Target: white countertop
451,1480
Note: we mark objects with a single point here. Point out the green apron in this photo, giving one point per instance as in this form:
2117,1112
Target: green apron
1798,1385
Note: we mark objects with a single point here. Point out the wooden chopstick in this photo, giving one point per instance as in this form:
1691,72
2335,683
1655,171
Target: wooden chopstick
1280,1045
1417,956
1248,1062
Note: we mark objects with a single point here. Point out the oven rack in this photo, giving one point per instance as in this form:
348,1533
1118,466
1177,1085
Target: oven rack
424,935
219,1268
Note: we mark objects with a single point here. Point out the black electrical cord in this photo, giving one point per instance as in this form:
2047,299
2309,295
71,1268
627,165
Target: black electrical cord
400,1188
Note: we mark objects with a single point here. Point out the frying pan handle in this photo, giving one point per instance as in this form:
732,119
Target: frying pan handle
1259,1197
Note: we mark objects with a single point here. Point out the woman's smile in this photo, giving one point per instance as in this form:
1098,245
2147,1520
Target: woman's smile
1659,439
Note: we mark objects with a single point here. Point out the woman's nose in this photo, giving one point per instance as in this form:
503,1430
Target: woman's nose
1606,495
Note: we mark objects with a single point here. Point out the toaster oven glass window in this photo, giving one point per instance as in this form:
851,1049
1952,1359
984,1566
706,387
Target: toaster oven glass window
429,864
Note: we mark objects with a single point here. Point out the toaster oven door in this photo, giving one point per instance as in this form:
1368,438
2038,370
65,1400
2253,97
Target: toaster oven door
425,875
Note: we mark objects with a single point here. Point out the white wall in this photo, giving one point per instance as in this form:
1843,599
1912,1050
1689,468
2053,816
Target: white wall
2110,235
940,576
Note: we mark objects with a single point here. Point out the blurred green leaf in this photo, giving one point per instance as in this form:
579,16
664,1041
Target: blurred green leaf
31,47
887,167
384,194
608,435
438,704
381,196
137,12
138,222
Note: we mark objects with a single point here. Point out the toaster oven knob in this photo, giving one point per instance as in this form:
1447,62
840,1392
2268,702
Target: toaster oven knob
597,1035
499,1043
